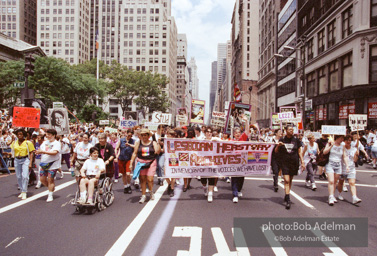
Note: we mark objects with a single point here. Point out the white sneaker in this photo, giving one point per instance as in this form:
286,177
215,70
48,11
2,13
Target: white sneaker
24,196
210,197
49,198
81,200
62,175
356,200
39,184
205,191
20,195
335,201
215,189
345,189
152,195
147,190
308,184
235,199
177,182
314,187
90,202
116,180
331,200
240,194
340,197
142,199
228,180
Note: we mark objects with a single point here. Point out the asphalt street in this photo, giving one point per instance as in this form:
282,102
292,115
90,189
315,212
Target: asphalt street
185,224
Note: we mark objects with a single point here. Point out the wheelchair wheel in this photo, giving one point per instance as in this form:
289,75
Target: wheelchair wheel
100,205
108,194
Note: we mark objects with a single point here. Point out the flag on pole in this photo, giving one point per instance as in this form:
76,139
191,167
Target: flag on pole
237,93
97,41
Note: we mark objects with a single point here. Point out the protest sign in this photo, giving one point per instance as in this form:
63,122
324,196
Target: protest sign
286,116
216,114
39,104
130,115
151,126
111,130
372,110
127,124
235,116
181,118
182,111
275,121
3,145
161,118
219,123
317,135
334,130
190,158
57,105
197,111
58,120
358,122
288,109
104,122
26,117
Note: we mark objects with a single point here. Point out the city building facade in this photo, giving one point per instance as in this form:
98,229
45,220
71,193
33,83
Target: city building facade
18,19
182,71
193,79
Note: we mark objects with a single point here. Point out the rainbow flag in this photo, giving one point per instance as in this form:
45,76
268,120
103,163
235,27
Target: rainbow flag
257,158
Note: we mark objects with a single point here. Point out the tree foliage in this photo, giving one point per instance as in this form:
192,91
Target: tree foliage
87,111
10,72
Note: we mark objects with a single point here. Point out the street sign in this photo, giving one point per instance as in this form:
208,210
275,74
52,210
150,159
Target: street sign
57,105
19,85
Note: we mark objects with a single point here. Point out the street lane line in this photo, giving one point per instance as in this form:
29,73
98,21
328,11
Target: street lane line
366,171
121,245
30,199
336,251
159,230
222,245
14,241
195,234
276,246
244,251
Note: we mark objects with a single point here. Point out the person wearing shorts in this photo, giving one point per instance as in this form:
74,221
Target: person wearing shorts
289,151
146,152
50,161
352,154
81,154
123,151
337,152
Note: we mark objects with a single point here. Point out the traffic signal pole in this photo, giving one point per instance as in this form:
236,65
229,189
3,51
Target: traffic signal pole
27,93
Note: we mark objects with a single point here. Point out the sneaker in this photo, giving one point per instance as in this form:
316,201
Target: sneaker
198,178
235,199
129,191
147,190
308,184
116,180
90,202
136,185
356,200
288,204
49,198
125,190
240,194
171,194
151,195
228,180
215,189
335,201
142,199
314,187
210,197
61,175
345,189
39,184
20,195
81,201
24,196
205,191
177,182
331,200
276,188
340,197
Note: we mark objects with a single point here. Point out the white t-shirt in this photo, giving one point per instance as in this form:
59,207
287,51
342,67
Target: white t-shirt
82,150
350,153
92,167
65,146
51,146
94,141
353,144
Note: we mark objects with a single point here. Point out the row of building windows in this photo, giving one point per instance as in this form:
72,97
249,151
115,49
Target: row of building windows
141,11
58,19
8,10
58,27
10,18
57,2
8,2
57,43
9,26
58,11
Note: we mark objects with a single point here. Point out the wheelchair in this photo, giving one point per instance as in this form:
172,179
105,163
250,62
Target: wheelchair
103,196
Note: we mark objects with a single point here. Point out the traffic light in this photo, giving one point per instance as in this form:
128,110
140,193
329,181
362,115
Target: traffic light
29,66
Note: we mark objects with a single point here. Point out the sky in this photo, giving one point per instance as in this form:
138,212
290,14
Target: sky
206,23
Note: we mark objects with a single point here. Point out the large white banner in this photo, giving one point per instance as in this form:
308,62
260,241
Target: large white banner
358,122
190,158
161,118
334,130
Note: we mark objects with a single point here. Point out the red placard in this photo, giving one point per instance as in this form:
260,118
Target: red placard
26,117
372,110
351,109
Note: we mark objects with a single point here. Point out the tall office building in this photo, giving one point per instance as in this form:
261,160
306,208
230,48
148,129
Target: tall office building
194,80
18,19
213,86
268,10
182,77
64,29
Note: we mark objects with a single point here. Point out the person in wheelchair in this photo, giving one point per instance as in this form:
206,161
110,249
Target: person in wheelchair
90,174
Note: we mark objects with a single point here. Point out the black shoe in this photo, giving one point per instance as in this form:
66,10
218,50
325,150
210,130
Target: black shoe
276,188
129,191
136,186
171,193
125,190
184,189
288,205
169,190
161,182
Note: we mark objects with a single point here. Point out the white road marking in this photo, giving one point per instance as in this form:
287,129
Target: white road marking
244,251
162,224
366,171
336,251
195,234
69,202
14,241
276,246
30,199
222,245
121,245
302,200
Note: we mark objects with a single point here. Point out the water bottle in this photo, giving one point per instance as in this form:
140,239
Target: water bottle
72,172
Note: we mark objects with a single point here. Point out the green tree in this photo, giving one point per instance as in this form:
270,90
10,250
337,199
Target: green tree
90,67
9,74
87,112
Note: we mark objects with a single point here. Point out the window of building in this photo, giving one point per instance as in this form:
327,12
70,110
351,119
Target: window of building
322,81
373,15
321,41
310,49
347,22
331,37
311,85
373,64
333,76
347,70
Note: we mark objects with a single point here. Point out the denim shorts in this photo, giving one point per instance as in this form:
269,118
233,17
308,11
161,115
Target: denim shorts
373,154
334,167
350,175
